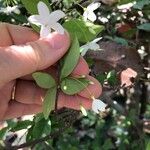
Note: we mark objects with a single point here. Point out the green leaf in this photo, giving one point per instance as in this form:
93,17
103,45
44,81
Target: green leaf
71,58
21,125
39,128
101,78
85,31
145,26
118,40
49,102
111,77
38,117
148,145
108,145
140,4
29,136
3,132
121,41
71,86
44,80
31,5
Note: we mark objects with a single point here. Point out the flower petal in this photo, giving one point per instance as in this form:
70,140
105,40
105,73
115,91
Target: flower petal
93,6
96,40
58,28
85,15
94,106
56,15
98,105
84,52
44,32
92,16
94,46
35,19
43,10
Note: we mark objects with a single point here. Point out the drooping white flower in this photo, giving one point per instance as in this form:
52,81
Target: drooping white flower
89,12
47,20
98,106
91,45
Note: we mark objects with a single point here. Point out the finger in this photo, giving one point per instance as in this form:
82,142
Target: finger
21,35
17,61
81,69
14,34
5,96
27,92
94,89
16,109
73,102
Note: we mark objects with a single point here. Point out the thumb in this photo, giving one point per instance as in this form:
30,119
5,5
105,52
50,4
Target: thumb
17,61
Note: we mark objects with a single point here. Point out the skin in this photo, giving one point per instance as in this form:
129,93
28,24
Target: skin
22,52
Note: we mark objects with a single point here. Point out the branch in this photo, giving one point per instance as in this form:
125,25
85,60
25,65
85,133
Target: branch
68,121
32,143
107,97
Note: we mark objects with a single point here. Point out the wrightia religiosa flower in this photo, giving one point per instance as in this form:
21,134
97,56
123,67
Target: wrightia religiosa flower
89,12
47,20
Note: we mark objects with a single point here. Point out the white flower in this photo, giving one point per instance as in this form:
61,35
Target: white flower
98,106
103,19
8,10
47,20
89,12
91,45
126,6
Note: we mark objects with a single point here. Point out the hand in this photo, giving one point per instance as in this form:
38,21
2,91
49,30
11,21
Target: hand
21,54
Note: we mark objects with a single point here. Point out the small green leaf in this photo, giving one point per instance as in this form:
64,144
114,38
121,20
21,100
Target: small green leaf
31,5
101,78
121,41
145,26
49,102
44,80
21,125
29,136
39,128
111,77
71,58
85,31
118,40
3,132
71,86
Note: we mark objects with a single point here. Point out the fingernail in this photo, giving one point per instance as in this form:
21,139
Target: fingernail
58,41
